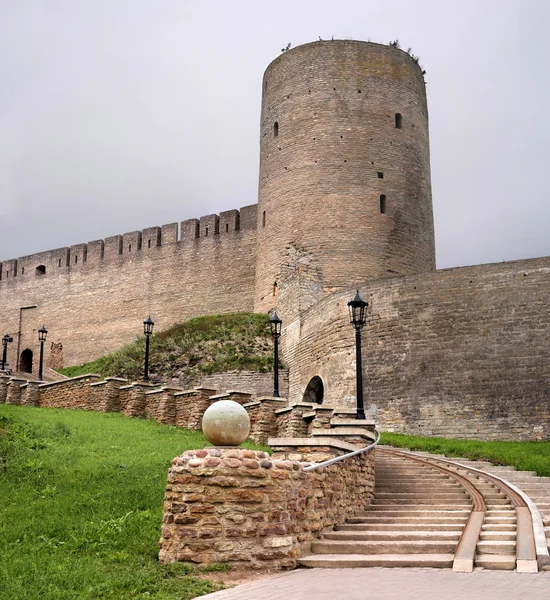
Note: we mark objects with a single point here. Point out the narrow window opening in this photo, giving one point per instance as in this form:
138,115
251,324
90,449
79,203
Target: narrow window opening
148,243
206,231
59,263
380,175
197,230
129,247
275,129
383,204
75,259
41,270
227,228
22,270
7,274
263,219
398,120
274,288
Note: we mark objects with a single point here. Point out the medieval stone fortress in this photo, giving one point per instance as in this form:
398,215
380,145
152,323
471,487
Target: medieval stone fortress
344,204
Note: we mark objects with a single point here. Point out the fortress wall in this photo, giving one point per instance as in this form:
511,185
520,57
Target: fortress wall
461,352
96,303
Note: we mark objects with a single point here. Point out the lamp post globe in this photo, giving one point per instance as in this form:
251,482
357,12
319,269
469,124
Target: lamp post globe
357,308
148,331
275,324
5,341
42,335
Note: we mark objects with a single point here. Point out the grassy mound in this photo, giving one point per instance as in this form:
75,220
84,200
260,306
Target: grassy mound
203,345
81,508
524,456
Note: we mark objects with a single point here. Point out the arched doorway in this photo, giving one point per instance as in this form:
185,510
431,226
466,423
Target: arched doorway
25,362
315,391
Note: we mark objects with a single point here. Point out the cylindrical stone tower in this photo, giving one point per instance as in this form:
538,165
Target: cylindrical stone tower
344,191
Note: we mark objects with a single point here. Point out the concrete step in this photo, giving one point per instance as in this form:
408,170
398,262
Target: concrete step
407,520
506,562
341,561
498,527
383,547
383,536
383,525
412,509
422,501
500,521
498,536
494,547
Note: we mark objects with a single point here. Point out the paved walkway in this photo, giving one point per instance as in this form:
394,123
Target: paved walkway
392,584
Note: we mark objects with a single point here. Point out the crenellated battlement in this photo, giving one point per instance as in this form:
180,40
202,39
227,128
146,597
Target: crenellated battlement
119,248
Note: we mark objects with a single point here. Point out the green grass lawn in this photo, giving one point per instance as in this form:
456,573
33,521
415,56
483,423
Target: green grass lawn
81,498
525,456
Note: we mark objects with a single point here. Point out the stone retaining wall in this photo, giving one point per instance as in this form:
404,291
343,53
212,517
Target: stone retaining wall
251,510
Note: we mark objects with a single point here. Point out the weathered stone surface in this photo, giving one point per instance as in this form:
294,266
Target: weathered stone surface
268,524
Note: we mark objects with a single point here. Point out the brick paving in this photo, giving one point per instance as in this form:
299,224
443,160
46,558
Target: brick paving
391,584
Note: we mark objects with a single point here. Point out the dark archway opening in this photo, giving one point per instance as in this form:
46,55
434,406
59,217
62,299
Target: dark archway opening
25,362
315,391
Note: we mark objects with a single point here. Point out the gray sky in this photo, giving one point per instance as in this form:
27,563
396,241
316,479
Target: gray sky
117,115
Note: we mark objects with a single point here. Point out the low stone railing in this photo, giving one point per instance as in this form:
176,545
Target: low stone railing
269,417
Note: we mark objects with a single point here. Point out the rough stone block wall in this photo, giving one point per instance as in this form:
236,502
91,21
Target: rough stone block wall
253,382
459,353
104,292
255,511
73,393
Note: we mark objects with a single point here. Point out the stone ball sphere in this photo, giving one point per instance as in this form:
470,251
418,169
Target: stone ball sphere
226,423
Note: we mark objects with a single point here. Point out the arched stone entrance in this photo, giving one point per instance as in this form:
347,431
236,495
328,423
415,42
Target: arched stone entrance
315,390
25,362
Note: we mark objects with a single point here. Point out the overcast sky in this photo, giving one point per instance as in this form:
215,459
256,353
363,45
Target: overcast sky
117,115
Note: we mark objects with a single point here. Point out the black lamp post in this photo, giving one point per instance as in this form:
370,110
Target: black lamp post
147,330
42,334
5,341
275,324
357,308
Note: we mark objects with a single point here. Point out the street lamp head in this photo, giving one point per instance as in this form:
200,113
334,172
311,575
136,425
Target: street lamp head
7,339
275,324
357,308
148,326
42,334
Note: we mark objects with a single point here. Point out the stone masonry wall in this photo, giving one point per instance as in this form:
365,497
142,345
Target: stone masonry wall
460,353
93,297
255,511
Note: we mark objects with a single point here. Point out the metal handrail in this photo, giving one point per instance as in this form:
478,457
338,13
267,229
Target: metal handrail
344,456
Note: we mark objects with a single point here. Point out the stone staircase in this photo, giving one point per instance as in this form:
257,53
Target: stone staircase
420,512
416,520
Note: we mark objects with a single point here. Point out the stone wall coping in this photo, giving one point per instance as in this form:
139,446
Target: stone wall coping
352,422
164,388
309,415
282,411
218,396
116,379
345,411
126,387
312,443
272,399
97,383
303,405
239,392
186,392
205,389
64,381
252,404
323,408
24,385
17,380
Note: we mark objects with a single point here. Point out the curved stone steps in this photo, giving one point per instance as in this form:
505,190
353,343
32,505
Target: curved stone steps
418,518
